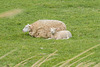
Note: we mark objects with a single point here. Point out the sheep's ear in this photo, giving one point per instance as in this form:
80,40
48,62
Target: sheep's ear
29,25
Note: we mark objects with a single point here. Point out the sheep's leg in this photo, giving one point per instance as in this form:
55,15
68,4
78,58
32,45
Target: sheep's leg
30,33
38,36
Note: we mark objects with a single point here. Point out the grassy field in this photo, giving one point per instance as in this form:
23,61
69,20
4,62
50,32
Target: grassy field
82,18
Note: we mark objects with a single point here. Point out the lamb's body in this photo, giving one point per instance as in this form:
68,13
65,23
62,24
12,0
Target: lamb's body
41,28
65,34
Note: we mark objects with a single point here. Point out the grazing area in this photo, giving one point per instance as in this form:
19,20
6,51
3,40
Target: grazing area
19,49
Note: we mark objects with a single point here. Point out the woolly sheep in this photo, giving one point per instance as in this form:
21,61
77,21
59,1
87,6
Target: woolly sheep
41,28
65,34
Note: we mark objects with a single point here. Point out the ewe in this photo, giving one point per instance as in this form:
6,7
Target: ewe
41,28
65,34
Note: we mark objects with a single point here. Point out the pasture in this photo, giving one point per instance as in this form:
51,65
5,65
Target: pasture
19,49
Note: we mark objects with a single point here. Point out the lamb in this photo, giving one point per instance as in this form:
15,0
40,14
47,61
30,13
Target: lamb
65,34
41,28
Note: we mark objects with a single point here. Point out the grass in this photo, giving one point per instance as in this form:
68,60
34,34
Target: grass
82,18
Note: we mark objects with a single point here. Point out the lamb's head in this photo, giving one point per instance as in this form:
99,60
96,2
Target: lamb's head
26,28
53,30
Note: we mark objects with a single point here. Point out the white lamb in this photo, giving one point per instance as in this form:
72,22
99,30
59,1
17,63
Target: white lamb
65,34
41,28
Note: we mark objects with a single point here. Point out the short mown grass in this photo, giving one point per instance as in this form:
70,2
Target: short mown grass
82,18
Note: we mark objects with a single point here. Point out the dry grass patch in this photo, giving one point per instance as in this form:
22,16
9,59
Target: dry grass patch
10,13
17,65
67,61
7,54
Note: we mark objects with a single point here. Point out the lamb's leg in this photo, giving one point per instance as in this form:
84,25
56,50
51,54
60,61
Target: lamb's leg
30,33
58,37
67,36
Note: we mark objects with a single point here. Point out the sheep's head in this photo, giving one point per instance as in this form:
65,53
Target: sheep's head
53,30
26,28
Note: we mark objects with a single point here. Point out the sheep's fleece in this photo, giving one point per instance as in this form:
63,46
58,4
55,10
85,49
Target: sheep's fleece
41,28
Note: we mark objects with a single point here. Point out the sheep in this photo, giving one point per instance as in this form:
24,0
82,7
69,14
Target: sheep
65,34
41,28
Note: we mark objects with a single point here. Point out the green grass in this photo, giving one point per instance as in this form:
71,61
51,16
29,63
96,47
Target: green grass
82,18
